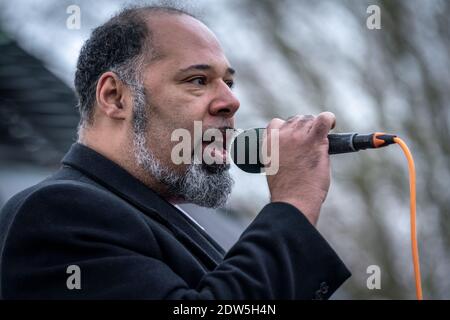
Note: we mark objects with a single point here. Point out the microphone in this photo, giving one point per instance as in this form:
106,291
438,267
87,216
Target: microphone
247,145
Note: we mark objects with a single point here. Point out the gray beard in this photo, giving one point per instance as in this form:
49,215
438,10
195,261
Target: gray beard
201,184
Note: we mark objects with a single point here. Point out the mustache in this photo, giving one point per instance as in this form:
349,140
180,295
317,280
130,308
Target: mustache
222,140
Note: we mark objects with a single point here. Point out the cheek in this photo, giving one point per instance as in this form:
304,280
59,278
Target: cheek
180,110
172,107
175,104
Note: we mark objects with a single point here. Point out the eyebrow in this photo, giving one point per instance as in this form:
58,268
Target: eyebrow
205,67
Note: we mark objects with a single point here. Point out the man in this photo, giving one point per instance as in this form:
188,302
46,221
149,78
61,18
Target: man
106,225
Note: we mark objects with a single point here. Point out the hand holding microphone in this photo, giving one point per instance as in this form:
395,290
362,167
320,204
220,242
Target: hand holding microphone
248,146
303,177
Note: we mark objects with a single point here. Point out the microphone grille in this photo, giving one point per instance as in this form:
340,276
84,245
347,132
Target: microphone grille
246,150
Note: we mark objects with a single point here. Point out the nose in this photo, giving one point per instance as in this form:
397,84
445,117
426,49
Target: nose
225,103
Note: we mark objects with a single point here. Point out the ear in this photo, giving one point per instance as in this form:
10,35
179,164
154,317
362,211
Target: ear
113,97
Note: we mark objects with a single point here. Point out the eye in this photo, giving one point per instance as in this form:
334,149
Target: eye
230,83
198,81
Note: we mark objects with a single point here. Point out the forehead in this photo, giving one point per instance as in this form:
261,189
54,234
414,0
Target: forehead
182,40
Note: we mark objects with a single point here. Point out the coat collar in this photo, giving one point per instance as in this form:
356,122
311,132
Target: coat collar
123,184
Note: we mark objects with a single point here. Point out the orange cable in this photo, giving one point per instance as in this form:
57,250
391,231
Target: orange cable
412,204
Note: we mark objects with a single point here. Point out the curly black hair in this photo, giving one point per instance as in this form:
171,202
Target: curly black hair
117,45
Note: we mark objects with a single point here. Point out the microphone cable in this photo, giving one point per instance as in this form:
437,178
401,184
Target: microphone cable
412,211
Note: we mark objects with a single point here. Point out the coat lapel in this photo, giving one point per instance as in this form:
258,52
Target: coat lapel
120,182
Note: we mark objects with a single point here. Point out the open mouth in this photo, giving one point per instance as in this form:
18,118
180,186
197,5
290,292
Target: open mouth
217,146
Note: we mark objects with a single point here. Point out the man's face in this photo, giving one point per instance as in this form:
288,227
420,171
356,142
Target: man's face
190,82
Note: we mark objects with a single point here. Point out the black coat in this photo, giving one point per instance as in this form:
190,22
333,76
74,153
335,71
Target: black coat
129,243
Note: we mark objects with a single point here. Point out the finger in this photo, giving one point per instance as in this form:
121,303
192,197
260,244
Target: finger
333,125
304,123
299,117
300,123
322,125
275,123
307,117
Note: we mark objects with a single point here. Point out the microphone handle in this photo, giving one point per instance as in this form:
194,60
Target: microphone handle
352,142
345,142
